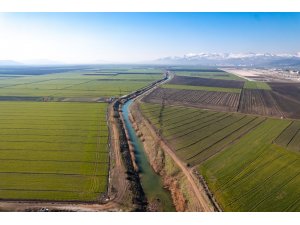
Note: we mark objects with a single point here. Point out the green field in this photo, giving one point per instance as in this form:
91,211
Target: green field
196,134
235,153
201,88
256,85
53,151
53,146
290,137
254,174
82,83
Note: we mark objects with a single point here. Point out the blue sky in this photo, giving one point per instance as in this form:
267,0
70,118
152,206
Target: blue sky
135,37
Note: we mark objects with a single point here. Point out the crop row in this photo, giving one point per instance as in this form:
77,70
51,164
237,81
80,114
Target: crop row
223,101
290,137
235,153
254,174
58,147
73,84
261,102
201,88
197,81
198,134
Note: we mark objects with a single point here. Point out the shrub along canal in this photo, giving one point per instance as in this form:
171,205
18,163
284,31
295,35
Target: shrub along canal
151,182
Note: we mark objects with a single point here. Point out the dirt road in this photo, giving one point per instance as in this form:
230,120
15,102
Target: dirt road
15,206
198,190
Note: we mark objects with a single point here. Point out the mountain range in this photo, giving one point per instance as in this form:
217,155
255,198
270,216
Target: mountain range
201,59
233,59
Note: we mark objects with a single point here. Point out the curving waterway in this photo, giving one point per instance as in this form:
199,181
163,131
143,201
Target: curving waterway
151,182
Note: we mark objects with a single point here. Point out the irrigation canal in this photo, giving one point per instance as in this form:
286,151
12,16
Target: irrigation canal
150,181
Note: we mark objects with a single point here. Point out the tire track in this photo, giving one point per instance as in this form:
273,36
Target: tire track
195,142
256,188
277,189
200,128
200,116
229,134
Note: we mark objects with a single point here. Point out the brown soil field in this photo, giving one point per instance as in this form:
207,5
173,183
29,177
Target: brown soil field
203,99
195,81
197,70
287,96
261,102
291,90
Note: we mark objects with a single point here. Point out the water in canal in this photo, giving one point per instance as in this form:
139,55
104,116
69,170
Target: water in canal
151,182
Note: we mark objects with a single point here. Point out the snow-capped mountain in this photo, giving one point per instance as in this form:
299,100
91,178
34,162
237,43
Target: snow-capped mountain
234,59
